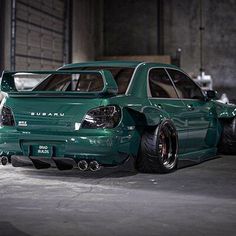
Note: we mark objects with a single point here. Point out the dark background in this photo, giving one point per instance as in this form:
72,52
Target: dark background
44,34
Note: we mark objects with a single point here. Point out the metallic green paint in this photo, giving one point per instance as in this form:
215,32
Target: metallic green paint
225,110
199,130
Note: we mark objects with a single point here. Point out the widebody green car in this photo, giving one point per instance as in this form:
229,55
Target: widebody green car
105,114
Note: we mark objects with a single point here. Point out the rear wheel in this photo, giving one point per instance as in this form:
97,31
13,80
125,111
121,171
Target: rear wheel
158,149
227,144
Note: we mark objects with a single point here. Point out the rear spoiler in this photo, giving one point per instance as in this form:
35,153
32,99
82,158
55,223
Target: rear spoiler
8,86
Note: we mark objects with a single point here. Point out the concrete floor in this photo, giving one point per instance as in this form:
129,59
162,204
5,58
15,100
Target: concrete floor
198,200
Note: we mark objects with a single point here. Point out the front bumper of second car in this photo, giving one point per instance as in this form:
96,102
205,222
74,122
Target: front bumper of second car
109,148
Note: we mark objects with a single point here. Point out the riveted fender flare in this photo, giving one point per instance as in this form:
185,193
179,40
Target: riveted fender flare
147,115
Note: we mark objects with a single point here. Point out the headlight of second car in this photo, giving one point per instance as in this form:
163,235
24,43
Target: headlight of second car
102,117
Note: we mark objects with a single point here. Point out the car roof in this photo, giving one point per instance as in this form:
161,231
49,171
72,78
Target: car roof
128,64
131,64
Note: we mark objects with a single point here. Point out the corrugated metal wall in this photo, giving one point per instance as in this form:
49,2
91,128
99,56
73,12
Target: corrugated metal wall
39,34
2,24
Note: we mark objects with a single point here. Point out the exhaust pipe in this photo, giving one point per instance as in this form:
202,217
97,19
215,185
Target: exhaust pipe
94,166
83,165
4,160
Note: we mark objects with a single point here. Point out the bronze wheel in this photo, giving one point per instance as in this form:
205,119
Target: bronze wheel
166,148
158,149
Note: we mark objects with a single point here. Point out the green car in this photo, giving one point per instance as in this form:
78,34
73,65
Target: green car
106,114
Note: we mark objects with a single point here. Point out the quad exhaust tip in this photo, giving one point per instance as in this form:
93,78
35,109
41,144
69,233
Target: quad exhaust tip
83,165
94,166
4,160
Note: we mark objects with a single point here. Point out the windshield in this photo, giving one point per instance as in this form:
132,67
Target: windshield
86,82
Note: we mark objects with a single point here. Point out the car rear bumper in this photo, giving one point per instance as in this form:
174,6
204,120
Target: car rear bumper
66,163
108,148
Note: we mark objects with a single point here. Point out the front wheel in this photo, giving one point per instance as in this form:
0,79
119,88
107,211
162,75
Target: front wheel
158,149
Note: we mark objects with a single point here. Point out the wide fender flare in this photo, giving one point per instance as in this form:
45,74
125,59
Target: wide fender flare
224,111
147,115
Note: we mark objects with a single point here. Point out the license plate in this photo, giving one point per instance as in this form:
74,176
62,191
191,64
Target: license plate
42,150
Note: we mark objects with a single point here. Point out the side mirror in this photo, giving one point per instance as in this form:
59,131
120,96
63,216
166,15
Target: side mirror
211,94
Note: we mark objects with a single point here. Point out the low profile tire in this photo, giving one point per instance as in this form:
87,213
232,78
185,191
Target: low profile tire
158,149
227,144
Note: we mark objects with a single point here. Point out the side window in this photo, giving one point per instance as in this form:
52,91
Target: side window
186,88
160,84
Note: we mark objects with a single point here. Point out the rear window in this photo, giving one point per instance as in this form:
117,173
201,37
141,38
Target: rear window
72,82
86,82
27,81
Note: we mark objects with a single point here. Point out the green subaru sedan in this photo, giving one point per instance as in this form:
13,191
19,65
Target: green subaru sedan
105,114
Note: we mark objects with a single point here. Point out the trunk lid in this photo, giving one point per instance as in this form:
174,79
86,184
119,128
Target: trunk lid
57,115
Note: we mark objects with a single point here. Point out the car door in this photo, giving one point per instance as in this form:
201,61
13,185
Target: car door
162,95
198,114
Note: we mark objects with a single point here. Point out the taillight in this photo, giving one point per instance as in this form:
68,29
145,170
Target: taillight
6,118
102,117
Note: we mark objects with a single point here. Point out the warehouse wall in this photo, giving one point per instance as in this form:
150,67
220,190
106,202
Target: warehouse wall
181,30
1,33
87,36
40,34
5,38
220,43
130,28
38,39
2,3
219,37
